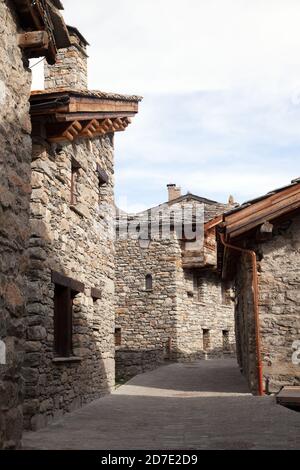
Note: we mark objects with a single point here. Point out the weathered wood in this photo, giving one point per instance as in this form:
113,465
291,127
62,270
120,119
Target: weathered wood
89,129
266,210
64,281
62,133
33,40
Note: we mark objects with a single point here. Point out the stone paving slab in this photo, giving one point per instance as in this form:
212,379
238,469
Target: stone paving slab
205,405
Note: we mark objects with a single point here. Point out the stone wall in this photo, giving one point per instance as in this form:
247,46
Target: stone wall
279,304
205,317
147,318
77,241
168,322
15,156
70,69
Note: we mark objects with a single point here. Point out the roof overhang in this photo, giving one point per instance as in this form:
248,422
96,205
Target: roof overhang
68,115
254,222
43,17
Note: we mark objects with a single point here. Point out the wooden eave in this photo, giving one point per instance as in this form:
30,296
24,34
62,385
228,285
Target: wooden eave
69,117
242,225
268,209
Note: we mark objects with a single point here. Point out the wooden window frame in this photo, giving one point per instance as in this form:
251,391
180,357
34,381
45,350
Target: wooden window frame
65,291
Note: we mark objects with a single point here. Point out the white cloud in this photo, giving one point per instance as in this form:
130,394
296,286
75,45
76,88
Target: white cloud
221,80
169,46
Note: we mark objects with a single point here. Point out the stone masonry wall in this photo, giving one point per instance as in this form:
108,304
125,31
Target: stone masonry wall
280,306
169,321
147,318
70,69
205,318
15,157
75,241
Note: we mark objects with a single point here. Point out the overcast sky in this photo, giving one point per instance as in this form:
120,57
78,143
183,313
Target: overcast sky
221,87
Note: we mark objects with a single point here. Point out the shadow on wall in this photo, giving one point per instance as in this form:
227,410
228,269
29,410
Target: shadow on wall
56,385
61,379
130,363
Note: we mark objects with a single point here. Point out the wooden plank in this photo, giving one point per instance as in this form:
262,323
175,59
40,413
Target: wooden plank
64,281
261,205
238,230
102,105
259,211
33,40
62,117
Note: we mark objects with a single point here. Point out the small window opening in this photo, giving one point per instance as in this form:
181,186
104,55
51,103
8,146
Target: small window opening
226,343
63,320
118,337
74,181
206,340
226,294
149,282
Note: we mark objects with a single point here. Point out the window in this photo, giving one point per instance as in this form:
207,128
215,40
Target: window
149,282
74,179
118,337
102,176
206,340
226,343
226,294
65,291
103,179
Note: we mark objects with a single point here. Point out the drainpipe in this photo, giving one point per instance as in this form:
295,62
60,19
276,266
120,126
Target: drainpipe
255,287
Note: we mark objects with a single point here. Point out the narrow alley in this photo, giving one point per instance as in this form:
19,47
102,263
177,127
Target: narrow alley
204,405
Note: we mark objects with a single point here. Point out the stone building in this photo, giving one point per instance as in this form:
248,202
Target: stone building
69,357
259,250
27,30
171,304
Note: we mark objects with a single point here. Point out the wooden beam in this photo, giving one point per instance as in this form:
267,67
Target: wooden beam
62,133
64,281
104,127
33,40
89,129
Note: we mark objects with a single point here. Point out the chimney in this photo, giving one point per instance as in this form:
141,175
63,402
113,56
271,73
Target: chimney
231,200
70,70
174,192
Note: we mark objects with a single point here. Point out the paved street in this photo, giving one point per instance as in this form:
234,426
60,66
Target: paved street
204,405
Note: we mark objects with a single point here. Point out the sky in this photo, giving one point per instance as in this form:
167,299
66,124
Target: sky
221,87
